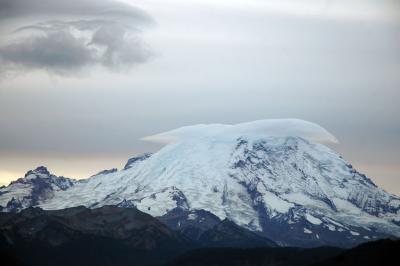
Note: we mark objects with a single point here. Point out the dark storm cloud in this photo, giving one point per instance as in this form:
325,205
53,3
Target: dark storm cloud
102,32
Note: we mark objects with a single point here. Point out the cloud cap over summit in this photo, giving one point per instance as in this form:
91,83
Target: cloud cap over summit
262,128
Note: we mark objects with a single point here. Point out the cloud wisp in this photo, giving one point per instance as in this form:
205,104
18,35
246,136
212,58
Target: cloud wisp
86,33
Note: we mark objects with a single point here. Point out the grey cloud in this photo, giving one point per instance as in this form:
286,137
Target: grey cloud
23,8
119,44
57,51
104,33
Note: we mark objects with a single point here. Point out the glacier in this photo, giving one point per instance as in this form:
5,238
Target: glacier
275,177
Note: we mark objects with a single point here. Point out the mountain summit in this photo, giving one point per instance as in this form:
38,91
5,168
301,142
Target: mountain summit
273,177
35,187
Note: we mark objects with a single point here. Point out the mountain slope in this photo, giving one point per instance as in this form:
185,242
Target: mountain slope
35,187
116,236
137,229
228,234
207,230
190,223
79,236
267,176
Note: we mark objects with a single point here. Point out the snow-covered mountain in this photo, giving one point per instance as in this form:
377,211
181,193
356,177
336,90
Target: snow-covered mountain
35,187
273,177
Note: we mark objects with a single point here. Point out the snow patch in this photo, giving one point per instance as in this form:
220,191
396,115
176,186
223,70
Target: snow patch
275,203
192,216
313,219
307,231
331,227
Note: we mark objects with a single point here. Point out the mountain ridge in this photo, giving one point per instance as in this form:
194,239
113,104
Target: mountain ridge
116,236
37,185
290,189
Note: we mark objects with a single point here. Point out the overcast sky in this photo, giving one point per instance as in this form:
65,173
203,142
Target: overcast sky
82,81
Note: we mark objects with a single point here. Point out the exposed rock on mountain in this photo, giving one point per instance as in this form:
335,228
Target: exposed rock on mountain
34,188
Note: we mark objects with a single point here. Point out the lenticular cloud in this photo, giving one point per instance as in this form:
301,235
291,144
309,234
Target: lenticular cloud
86,33
260,128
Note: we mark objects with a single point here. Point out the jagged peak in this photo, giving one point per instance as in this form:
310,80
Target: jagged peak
126,204
40,177
135,159
38,170
106,171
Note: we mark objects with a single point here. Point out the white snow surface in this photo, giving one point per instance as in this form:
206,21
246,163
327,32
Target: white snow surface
307,231
234,171
313,219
